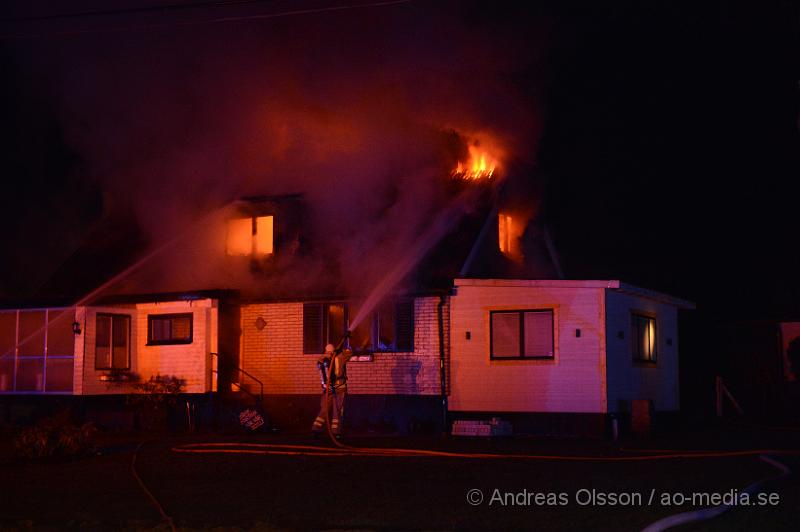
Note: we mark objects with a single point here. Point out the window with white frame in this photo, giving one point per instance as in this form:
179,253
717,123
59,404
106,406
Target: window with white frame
521,334
165,329
112,341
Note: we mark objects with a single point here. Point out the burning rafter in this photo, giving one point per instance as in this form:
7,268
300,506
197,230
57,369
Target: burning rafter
479,166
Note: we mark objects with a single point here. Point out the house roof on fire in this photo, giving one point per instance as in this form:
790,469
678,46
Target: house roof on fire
118,258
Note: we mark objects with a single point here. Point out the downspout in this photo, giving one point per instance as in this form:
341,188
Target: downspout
442,374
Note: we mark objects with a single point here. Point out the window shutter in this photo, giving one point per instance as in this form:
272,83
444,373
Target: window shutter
538,334
312,328
405,326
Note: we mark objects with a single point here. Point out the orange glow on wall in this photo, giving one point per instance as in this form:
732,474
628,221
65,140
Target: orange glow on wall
264,232
240,236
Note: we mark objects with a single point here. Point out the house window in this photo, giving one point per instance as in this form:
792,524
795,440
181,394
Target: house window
389,328
643,337
165,329
250,236
521,334
505,227
112,341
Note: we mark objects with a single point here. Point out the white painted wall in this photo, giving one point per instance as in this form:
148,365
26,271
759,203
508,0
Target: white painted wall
574,381
191,362
81,316
627,379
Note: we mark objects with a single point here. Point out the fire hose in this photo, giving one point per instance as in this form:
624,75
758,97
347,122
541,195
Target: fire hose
350,450
709,513
652,455
340,449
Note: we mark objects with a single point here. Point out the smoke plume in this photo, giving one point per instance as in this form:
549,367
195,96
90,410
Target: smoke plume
363,111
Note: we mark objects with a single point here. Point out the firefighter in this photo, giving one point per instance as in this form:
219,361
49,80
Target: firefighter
333,371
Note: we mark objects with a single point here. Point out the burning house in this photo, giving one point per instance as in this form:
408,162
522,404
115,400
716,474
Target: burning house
470,319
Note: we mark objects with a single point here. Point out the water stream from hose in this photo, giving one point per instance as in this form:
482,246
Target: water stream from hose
441,225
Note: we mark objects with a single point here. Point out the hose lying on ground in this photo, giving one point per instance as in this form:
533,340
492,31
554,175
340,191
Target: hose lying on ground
146,491
714,511
348,450
660,525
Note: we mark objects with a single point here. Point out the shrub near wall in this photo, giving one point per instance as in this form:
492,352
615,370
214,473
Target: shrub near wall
57,435
153,400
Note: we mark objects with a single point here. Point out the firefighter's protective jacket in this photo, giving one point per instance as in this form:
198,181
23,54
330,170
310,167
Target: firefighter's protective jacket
338,374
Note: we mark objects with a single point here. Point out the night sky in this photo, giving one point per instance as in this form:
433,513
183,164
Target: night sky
664,138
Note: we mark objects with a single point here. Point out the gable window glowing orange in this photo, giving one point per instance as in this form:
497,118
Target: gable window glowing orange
263,237
250,236
240,236
505,226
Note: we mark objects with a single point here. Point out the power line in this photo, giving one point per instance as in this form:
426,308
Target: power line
132,10
155,26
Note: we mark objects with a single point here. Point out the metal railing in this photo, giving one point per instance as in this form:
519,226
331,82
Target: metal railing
230,368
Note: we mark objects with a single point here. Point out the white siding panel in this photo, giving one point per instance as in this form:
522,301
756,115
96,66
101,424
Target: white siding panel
628,380
571,382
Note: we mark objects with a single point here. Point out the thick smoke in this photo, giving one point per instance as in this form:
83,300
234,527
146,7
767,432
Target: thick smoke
363,111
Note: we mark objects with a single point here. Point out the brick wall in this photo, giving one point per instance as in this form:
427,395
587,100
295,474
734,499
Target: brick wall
275,354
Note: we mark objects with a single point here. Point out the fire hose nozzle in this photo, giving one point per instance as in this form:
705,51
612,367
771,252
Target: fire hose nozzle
342,341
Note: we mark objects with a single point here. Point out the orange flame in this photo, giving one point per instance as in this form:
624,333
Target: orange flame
480,166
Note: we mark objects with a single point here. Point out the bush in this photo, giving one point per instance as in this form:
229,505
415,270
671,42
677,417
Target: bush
153,399
55,436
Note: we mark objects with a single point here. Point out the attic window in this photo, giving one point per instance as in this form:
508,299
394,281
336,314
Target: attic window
505,231
250,236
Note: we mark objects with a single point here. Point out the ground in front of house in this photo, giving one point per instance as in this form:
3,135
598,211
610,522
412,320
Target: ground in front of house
258,491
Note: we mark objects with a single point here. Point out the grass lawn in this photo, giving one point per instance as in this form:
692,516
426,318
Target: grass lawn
203,491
